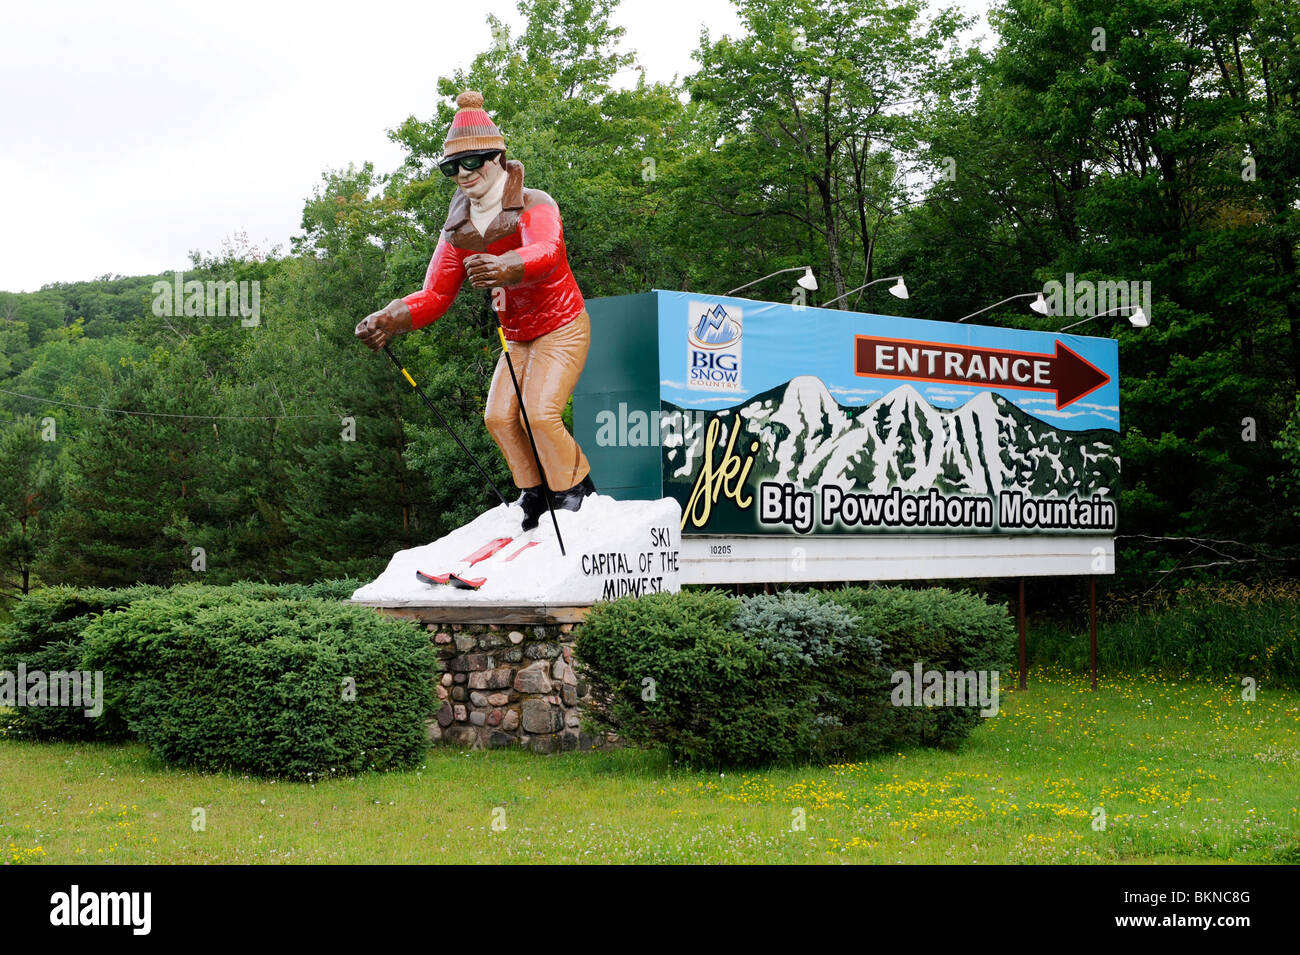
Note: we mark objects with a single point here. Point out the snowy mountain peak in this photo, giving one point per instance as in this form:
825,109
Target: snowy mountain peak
808,390
904,394
986,401
983,446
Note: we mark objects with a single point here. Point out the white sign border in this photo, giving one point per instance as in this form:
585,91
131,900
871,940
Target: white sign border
755,560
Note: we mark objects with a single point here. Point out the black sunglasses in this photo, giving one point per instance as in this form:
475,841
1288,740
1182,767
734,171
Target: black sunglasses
450,167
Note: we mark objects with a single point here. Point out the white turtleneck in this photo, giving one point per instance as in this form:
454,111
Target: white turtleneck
483,211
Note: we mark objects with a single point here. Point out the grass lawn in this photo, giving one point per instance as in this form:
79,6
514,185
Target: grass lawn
1185,772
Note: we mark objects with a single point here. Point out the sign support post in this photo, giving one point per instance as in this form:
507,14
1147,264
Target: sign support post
1092,626
1020,626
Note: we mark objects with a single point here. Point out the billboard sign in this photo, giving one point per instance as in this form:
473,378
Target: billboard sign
790,420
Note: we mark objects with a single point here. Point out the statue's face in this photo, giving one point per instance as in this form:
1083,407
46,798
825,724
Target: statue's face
478,182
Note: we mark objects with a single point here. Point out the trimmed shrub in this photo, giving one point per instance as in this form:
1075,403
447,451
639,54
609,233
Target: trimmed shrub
47,723
45,633
787,678
670,670
54,614
127,645
839,668
47,629
258,686
941,630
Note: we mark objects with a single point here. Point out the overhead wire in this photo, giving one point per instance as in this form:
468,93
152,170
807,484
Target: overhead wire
165,414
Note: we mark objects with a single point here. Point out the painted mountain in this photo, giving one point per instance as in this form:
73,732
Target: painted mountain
900,440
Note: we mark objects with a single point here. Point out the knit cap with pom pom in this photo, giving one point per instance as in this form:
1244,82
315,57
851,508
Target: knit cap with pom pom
472,130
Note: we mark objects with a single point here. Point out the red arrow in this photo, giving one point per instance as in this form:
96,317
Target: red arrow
1066,373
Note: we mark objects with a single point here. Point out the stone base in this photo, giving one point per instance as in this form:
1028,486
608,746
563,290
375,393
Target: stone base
509,685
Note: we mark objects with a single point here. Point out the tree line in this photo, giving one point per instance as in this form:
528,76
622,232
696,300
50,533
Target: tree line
1108,140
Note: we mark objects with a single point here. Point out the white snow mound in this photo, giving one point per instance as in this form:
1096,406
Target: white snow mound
613,548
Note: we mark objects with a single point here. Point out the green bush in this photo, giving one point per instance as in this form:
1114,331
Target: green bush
784,678
942,630
672,671
257,686
127,645
51,630
45,633
838,667
54,614
47,723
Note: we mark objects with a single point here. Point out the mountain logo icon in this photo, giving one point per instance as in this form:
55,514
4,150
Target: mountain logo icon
714,327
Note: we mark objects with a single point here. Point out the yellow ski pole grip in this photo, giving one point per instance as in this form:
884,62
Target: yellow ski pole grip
501,333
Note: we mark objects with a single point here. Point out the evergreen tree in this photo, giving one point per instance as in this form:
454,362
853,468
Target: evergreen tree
29,500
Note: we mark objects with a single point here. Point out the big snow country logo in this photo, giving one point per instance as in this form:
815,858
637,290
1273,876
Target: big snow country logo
713,347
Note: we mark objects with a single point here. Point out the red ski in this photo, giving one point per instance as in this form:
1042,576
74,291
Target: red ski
457,577
474,583
521,550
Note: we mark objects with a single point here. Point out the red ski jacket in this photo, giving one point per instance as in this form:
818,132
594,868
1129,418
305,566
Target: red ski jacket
529,223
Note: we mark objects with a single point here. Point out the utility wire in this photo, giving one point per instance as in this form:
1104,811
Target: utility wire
165,414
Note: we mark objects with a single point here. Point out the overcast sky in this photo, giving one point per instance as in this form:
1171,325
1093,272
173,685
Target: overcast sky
133,132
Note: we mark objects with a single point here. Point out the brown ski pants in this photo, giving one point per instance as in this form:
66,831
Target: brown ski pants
547,368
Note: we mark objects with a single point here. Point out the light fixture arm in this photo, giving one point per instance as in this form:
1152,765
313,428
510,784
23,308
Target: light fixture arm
1113,311
794,268
1078,323
889,278
996,304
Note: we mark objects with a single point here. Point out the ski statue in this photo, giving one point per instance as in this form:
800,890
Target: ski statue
540,307
508,241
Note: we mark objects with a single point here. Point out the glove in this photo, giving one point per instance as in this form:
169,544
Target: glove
378,328
490,271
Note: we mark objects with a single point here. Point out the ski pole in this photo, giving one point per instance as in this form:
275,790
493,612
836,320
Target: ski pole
438,414
546,487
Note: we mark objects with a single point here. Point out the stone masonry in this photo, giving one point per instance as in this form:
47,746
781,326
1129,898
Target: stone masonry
507,685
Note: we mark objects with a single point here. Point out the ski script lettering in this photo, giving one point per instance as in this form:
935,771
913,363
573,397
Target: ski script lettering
726,479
